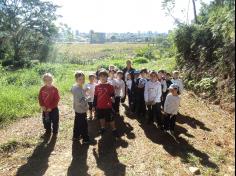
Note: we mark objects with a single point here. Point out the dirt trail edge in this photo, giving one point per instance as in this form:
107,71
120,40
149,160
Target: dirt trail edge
205,135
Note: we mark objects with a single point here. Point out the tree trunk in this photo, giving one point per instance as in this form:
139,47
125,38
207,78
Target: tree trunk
195,12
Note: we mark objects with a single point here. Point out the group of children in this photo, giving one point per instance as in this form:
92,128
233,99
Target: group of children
149,92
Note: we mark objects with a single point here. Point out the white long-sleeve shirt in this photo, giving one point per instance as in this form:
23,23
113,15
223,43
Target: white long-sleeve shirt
178,82
164,85
153,92
119,88
90,89
171,105
129,84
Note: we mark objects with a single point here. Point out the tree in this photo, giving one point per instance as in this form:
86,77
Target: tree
28,26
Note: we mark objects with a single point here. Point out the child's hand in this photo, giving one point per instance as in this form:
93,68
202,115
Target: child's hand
43,108
49,110
93,109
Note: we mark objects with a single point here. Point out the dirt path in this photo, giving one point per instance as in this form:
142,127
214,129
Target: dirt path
205,134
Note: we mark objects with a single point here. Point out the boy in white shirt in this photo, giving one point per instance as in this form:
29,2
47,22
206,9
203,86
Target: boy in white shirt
171,108
152,97
119,91
176,80
90,88
128,89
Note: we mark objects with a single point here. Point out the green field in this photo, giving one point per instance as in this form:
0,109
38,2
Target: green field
19,89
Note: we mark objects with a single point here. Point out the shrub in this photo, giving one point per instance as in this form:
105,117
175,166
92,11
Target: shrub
140,60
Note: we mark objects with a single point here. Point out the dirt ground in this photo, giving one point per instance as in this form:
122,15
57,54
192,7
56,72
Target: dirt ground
204,139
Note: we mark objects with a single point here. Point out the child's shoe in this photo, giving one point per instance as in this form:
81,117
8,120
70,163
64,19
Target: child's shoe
115,134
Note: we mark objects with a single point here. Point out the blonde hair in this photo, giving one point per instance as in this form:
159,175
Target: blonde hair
47,75
176,72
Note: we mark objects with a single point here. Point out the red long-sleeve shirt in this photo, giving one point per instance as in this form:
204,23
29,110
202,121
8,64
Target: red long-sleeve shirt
49,97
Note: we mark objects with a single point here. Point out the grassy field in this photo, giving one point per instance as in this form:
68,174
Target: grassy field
19,89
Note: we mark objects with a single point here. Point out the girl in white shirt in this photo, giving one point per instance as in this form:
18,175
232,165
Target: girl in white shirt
119,91
171,108
152,97
90,89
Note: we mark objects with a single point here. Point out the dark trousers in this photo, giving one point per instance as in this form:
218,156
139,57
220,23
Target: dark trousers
169,122
155,111
140,107
130,99
80,126
51,120
123,99
116,105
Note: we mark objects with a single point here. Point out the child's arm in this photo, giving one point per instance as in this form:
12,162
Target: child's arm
56,100
159,92
95,98
123,89
41,100
146,93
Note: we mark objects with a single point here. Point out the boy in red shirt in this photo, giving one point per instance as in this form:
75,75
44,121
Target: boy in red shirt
103,97
48,100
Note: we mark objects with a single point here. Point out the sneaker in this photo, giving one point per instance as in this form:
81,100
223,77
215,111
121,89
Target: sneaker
115,134
102,131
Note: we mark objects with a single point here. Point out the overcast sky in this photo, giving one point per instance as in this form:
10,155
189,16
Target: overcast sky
121,15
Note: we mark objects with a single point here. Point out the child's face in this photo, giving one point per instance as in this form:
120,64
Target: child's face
129,76
112,74
175,75
143,74
92,79
136,75
47,81
159,76
153,77
111,68
168,77
119,76
80,80
174,91
103,78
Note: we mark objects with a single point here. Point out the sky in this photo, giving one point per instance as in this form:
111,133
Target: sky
122,15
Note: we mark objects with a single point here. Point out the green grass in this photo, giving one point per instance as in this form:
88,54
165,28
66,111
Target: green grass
19,89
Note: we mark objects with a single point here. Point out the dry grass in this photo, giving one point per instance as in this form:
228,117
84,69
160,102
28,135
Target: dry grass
205,133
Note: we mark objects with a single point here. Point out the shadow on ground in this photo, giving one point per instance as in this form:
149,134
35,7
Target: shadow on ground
37,163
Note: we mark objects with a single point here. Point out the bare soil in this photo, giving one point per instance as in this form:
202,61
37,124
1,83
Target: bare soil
204,139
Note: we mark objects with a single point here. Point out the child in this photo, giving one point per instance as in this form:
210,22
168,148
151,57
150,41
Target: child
134,90
111,67
128,89
177,81
90,88
80,104
141,107
48,100
168,83
171,108
152,95
119,92
104,93
162,80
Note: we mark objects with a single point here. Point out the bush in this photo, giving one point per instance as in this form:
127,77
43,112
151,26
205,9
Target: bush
140,60
147,52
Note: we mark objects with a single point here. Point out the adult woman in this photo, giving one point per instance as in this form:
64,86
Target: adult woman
126,71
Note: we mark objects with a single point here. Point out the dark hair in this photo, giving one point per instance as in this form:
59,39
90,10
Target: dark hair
153,72
161,71
168,74
78,74
103,72
144,70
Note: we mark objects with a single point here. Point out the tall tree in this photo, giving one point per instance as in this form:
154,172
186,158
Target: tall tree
28,26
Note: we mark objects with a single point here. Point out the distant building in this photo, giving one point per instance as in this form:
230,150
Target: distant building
97,37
